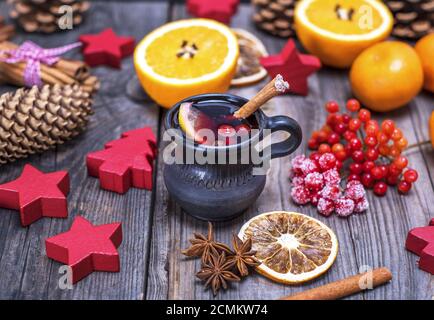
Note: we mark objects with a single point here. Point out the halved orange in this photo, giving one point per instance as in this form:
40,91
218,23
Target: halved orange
292,247
337,31
185,58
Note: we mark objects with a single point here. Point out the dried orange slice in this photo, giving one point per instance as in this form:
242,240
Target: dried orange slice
337,31
292,247
185,58
249,68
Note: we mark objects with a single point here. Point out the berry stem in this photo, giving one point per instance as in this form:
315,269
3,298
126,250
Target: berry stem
419,144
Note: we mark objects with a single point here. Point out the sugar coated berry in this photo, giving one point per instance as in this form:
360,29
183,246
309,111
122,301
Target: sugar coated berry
331,177
361,205
354,190
411,175
297,181
344,207
332,107
314,181
330,192
327,161
300,195
325,207
297,162
380,188
404,187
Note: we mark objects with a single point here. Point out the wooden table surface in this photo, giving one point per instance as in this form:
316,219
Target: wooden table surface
156,229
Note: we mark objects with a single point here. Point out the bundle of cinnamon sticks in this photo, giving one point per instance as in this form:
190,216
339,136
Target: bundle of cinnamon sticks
63,72
6,30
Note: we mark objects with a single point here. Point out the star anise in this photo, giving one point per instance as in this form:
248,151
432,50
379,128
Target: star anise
217,272
244,256
205,246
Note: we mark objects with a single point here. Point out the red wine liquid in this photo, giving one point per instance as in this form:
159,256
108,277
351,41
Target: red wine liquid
218,117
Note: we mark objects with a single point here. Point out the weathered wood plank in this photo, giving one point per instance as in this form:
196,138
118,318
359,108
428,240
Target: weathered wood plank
173,275
27,272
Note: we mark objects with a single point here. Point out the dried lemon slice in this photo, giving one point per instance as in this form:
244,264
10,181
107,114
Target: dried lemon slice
292,247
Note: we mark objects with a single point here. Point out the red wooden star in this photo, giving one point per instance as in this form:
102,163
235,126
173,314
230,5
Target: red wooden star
125,162
87,248
421,242
220,10
36,194
106,48
293,66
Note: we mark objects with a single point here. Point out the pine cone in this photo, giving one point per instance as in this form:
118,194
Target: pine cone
413,18
44,15
275,16
34,120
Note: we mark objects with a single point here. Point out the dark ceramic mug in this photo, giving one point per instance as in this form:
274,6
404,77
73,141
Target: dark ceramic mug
216,192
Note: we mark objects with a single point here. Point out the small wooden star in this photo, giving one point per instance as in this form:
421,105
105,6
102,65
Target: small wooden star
220,10
106,48
421,242
36,194
293,66
86,248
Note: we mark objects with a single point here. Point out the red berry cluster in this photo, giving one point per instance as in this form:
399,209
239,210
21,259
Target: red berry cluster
316,180
374,150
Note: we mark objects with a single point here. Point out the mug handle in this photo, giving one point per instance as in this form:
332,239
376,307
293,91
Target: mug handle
288,146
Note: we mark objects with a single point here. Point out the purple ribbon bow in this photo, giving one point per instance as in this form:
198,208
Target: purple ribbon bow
33,55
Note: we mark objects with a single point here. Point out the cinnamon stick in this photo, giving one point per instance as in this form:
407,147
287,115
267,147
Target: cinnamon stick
63,72
275,87
348,286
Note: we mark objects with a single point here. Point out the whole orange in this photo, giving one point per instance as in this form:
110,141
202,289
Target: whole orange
386,76
425,49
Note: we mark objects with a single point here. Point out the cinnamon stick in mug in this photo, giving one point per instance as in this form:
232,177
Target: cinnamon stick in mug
343,288
275,87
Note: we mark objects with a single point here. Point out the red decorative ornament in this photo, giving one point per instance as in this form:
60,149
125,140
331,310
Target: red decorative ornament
125,162
293,66
86,248
220,10
421,242
106,48
36,194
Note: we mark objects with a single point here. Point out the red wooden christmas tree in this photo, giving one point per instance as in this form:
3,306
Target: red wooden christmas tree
125,162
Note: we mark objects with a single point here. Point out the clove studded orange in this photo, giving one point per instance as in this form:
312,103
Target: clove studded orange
185,58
